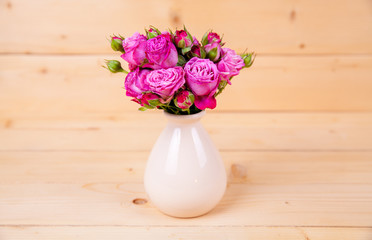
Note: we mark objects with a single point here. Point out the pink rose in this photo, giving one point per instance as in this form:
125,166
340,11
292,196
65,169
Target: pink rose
197,50
182,40
134,48
230,64
148,97
135,84
184,99
203,78
213,51
213,37
161,52
165,82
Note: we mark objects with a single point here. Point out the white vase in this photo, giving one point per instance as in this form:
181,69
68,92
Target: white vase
185,175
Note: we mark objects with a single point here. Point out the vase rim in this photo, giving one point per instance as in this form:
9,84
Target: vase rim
189,117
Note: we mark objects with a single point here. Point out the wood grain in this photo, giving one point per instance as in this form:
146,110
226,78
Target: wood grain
242,167
107,204
194,232
239,131
65,85
270,27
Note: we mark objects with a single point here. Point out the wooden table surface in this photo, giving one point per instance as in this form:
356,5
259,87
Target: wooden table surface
291,176
295,130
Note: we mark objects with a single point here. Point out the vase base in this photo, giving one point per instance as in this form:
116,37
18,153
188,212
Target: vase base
185,216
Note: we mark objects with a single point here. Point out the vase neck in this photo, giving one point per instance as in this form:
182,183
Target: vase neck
184,119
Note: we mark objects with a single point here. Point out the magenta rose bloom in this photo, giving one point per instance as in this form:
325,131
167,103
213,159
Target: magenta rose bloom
165,82
203,78
134,48
135,84
230,64
161,52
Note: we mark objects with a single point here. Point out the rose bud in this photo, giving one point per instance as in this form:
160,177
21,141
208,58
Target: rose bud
117,44
213,51
211,37
114,66
184,99
198,51
152,32
248,59
182,39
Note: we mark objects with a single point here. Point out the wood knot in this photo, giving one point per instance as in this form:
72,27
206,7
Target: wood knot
175,18
139,201
238,173
292,15
9,5
302,46
44,70
8,123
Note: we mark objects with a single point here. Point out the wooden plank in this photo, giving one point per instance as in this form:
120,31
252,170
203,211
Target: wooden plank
194,232
242,167
230,131
243,204
68,85
336,26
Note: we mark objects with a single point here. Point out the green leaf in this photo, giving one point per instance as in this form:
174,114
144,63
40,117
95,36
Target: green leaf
205,38
186,50
203,54
181,60
154,103
149,106
142,109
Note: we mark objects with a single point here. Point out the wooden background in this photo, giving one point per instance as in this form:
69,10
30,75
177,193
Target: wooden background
295,130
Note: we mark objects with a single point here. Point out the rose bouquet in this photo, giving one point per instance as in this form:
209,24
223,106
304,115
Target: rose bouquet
174,71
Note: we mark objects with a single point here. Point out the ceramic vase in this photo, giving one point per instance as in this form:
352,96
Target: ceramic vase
185,175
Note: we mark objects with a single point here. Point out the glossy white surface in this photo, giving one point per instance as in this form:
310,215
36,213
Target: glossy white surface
185,175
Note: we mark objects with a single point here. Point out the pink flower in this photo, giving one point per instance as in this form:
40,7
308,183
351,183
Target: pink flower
161,52
213,37
197,50
230,64
165,82
148,97
134,48
135,84
213,51
184,99
203,78
182,40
